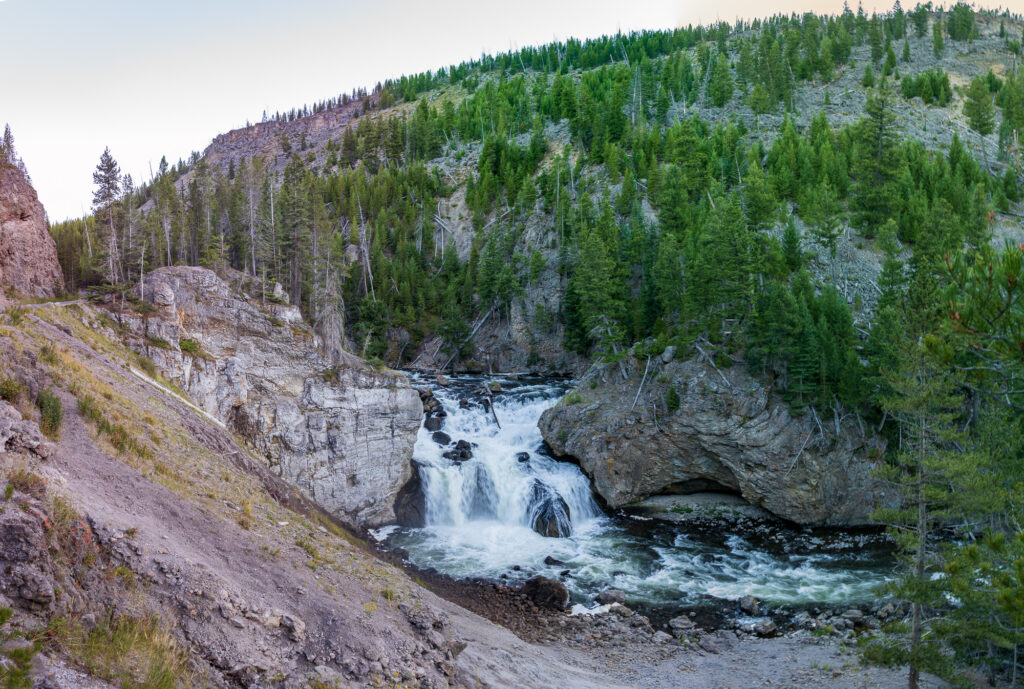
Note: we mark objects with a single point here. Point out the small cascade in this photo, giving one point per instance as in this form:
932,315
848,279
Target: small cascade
472,470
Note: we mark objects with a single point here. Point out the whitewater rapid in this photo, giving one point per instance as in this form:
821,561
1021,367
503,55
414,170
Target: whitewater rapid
481,515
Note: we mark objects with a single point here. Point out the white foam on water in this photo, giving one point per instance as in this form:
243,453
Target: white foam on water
480,524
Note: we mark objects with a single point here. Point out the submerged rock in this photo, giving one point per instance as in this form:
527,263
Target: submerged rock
548,512
609,596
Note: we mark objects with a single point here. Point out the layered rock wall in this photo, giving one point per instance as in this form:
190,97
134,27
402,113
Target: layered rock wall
729,433
343,435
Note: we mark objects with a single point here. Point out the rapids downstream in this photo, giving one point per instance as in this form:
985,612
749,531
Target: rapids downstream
489,499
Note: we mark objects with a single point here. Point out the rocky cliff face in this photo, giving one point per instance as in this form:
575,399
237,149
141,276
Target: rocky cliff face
344,435
728,433
28,255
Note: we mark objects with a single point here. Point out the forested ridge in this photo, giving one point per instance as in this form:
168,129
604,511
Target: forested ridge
674,188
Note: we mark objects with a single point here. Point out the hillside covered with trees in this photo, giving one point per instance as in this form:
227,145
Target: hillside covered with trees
823,199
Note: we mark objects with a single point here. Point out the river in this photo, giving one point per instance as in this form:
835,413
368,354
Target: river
483,515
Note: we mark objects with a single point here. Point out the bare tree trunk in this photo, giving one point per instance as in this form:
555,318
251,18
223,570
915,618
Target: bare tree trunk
916,631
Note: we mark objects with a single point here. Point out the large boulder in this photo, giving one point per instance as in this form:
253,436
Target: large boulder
546,593
729,433
343,434
28,255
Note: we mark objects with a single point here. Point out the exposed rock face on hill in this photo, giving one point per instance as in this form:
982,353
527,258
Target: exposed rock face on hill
342,435
28,255
734,436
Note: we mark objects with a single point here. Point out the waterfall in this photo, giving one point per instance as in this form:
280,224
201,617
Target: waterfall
506,479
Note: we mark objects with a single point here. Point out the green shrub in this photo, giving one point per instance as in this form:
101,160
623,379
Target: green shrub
27,482
88,410
10,389
51,414
48,354
672,400
192,347
15,316
15,673
157,342
147,365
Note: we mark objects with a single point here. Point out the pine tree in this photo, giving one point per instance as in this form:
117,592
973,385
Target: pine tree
890,61
825,222
791,246
868,81
876,167
875,39
760,100
805,368
8,154
924,404
107,179
938,45
600,303
980,111
920,19
721,86
759,199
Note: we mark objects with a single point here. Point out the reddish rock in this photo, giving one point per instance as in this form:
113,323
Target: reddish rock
28,255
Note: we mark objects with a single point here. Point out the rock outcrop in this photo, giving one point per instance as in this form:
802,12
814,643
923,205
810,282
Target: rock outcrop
343,435
729,433
28,255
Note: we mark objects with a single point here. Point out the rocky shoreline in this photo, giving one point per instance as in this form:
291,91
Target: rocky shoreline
528,612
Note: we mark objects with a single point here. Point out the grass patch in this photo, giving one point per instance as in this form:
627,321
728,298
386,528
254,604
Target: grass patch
573,398
135,653
118,436
51,414
15,316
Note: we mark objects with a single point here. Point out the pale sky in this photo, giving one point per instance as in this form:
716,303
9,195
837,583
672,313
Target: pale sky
160,77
